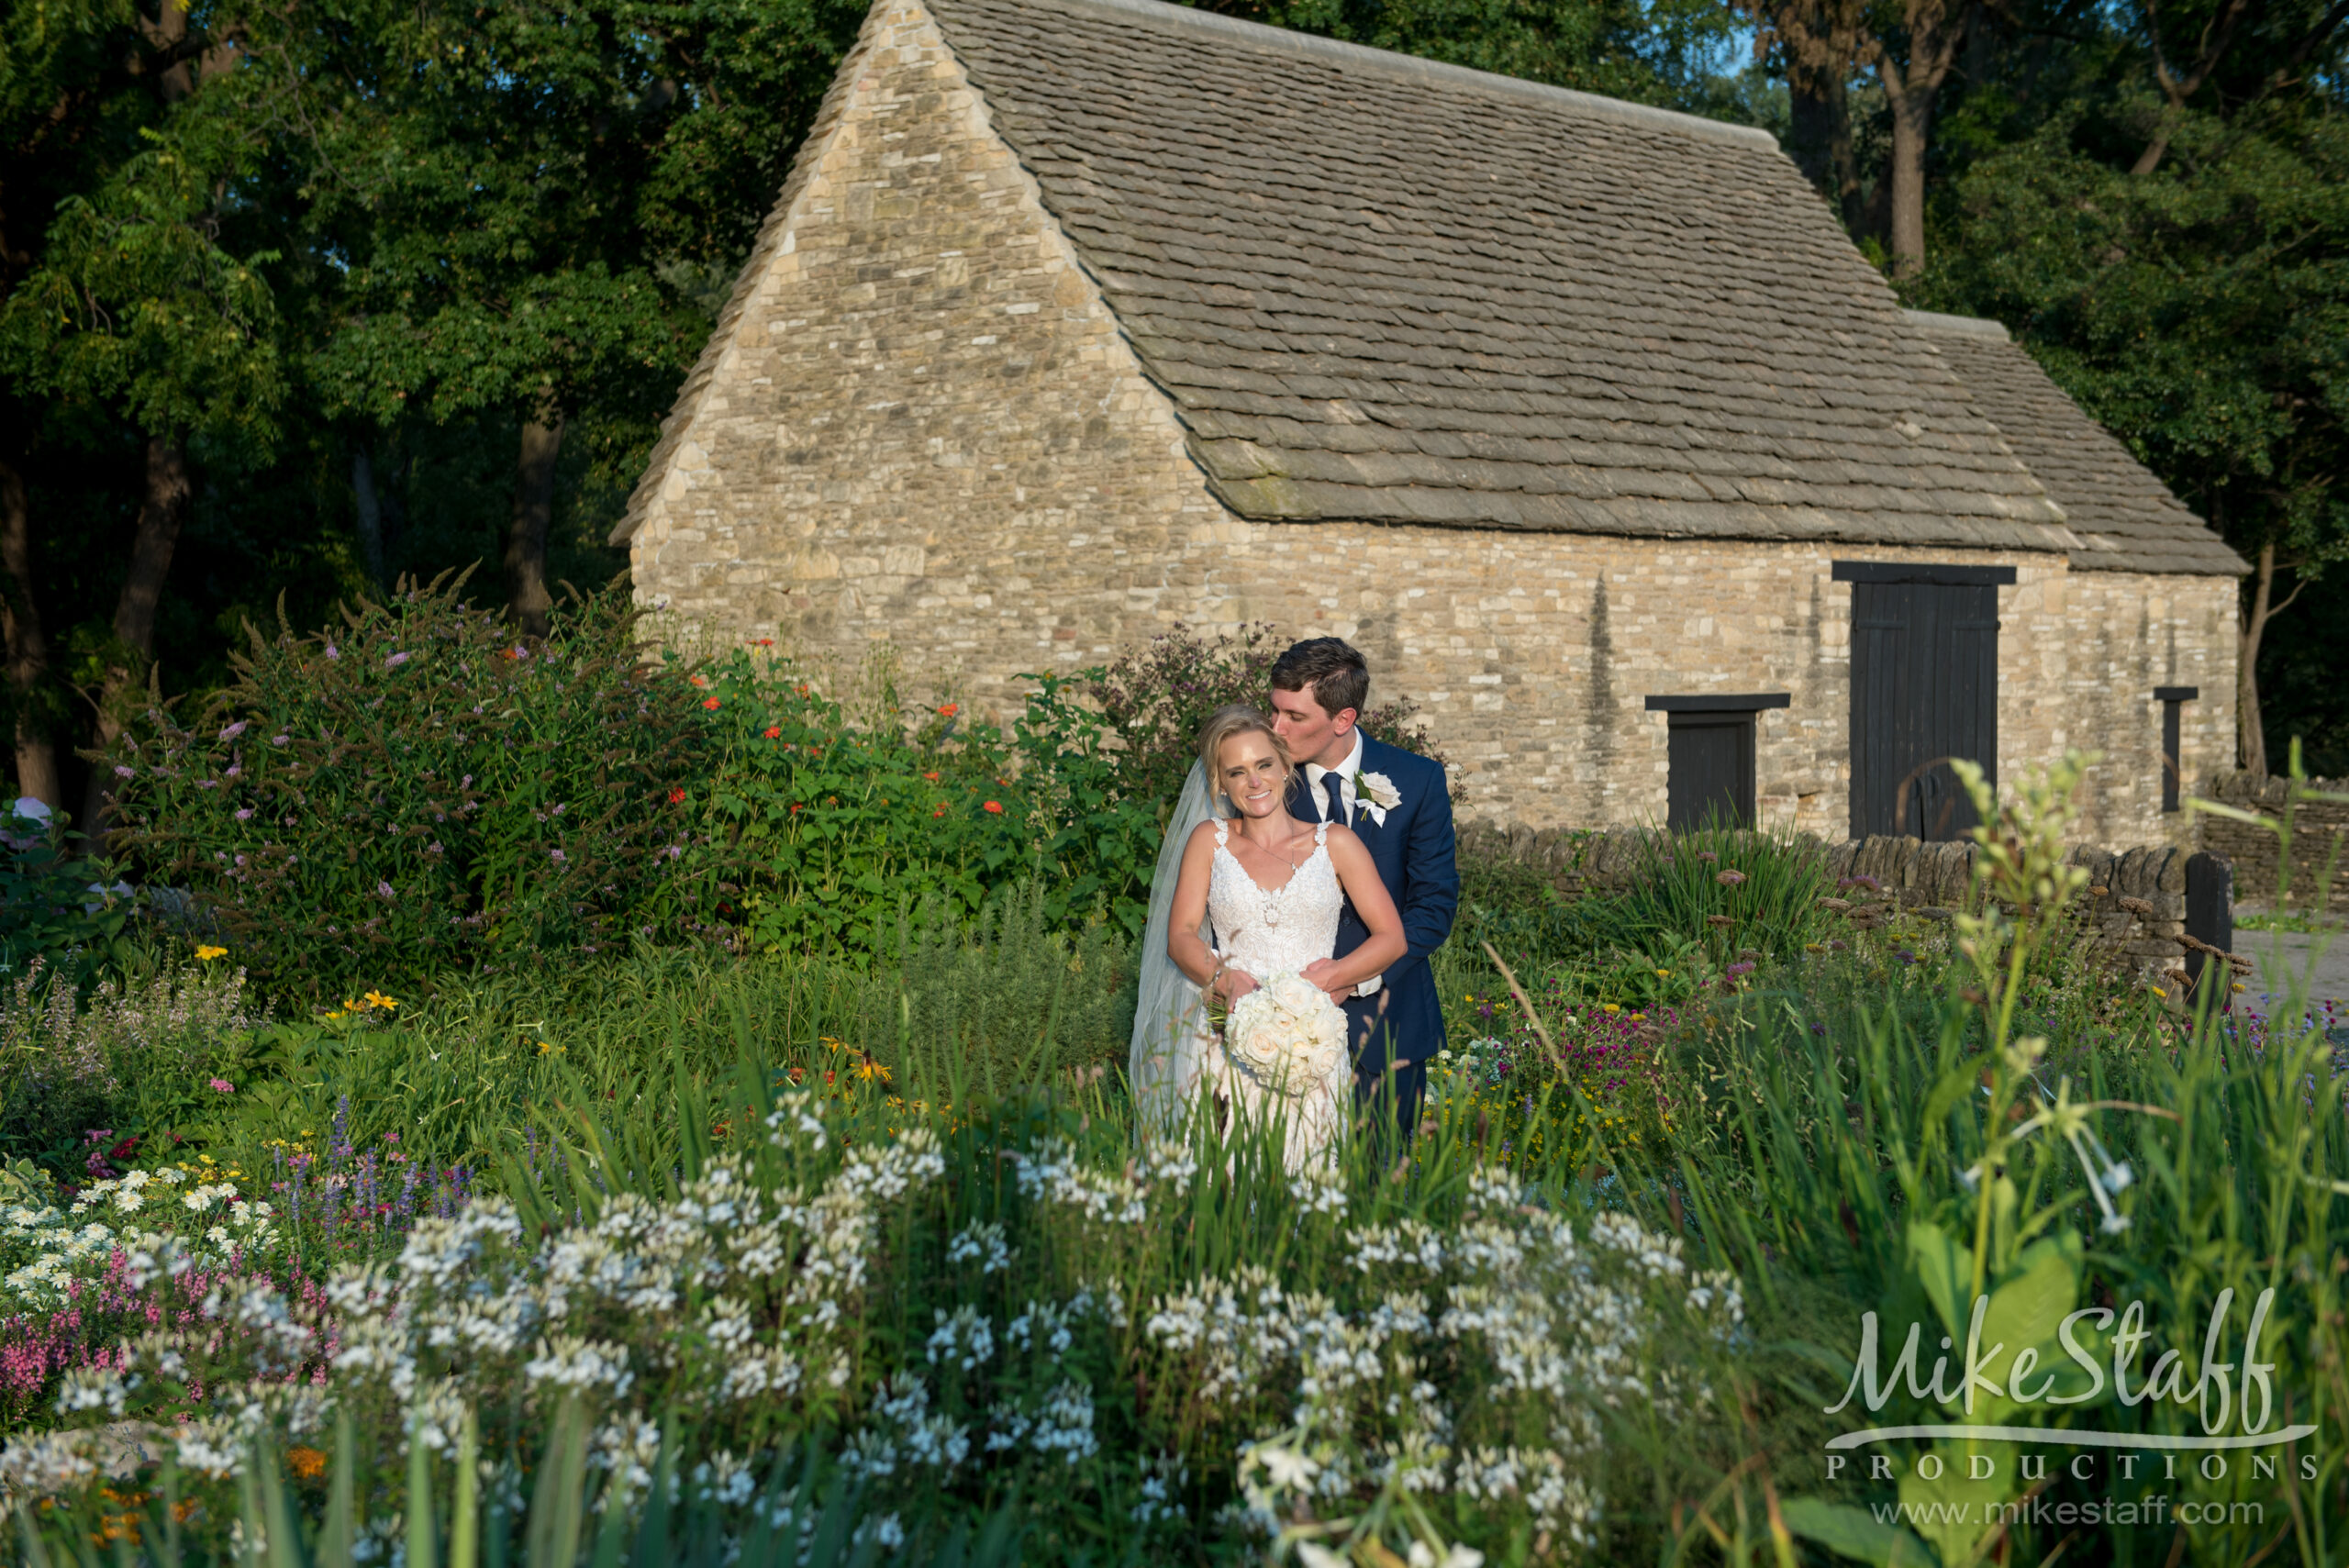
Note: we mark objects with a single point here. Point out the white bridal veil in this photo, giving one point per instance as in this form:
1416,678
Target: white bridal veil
1169,1044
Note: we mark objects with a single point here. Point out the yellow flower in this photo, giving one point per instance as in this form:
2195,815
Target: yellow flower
868,1070
2158,992
207,953
377,999
1664,974
1609,1008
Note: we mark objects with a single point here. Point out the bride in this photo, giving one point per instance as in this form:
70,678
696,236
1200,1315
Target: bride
1255,894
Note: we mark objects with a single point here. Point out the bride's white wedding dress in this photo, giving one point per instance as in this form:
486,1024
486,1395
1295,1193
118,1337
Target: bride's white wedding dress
1263,933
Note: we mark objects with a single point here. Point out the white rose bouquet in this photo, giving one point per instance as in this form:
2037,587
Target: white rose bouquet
1288,1033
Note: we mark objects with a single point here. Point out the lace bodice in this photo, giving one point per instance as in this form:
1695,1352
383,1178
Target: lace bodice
1265,933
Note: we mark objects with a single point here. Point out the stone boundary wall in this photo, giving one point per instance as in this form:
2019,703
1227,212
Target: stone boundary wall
2134,912
2317,834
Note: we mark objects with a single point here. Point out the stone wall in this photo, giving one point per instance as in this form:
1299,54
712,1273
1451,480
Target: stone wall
924,428
2319,834
2134,911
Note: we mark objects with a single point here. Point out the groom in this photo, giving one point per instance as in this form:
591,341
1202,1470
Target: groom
1400,806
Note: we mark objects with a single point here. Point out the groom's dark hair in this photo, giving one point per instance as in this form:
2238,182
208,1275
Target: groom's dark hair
1329,669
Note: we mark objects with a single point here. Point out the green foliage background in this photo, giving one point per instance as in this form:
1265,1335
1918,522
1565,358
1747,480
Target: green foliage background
343,254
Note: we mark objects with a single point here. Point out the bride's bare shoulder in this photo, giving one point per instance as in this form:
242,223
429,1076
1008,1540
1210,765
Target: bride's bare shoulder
1202,834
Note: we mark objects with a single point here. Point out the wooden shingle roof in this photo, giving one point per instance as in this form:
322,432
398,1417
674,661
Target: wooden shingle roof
2127,519
1380,288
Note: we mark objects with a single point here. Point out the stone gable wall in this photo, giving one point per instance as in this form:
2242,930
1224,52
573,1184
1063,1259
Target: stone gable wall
928,430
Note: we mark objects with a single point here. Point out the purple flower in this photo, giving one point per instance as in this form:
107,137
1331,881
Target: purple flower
244,814
233,730
556,856
120,771
1738,969
396,660
332,651
279,739
383,890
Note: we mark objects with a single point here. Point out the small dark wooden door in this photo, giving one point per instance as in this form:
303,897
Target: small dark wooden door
1712,779
1924,689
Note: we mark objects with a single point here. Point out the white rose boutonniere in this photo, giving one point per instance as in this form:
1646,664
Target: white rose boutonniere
1377,796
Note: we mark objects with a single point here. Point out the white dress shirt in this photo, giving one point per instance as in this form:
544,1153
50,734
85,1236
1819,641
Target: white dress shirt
1347,771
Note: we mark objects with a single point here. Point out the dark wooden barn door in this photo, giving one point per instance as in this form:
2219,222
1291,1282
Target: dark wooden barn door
1924,689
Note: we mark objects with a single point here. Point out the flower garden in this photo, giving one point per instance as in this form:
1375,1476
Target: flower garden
548,1104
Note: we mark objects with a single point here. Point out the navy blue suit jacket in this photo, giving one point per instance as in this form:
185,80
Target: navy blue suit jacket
1413,851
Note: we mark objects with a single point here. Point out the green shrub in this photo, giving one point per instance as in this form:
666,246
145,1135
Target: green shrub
58,906
825,832
418,789
1156,696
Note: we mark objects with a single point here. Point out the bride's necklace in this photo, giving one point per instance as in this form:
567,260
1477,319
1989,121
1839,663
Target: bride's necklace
1271,901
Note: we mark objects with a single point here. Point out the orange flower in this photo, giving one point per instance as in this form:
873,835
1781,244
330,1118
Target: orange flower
709,702
306,1462
700,679
994,805
775,732
950,710
931,777
939,812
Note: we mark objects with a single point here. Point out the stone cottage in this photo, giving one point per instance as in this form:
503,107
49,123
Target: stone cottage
1077,319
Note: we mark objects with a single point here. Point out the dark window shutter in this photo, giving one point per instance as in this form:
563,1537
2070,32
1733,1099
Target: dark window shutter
1709,751
1711,780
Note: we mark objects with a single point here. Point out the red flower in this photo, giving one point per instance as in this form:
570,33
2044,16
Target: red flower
931,777
950,710
939,812
775,732
795,808
994,805
677,796
709,702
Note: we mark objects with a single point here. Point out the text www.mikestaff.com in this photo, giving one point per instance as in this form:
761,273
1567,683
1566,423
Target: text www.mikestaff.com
2151,1510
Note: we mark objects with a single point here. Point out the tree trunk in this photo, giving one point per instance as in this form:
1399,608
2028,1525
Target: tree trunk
1912,120
371,514
1821,143
526,541
2251,738
160,515
1912,88
28,648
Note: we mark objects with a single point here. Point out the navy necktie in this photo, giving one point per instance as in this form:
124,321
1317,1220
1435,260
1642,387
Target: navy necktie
1333,785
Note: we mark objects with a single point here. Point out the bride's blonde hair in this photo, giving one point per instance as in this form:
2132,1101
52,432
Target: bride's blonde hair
1230,723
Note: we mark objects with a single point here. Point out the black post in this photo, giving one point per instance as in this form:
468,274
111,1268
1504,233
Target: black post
2210,917
2170,697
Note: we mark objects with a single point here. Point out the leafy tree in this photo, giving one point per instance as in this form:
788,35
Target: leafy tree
129,302
2171,240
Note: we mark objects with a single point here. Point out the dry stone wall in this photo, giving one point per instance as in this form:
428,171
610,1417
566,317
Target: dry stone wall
2319,840
922,428
2134,912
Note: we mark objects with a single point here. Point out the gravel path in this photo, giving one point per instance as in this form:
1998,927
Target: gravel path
2284,956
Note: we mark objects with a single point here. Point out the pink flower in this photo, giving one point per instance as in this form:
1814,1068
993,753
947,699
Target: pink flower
222,1086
